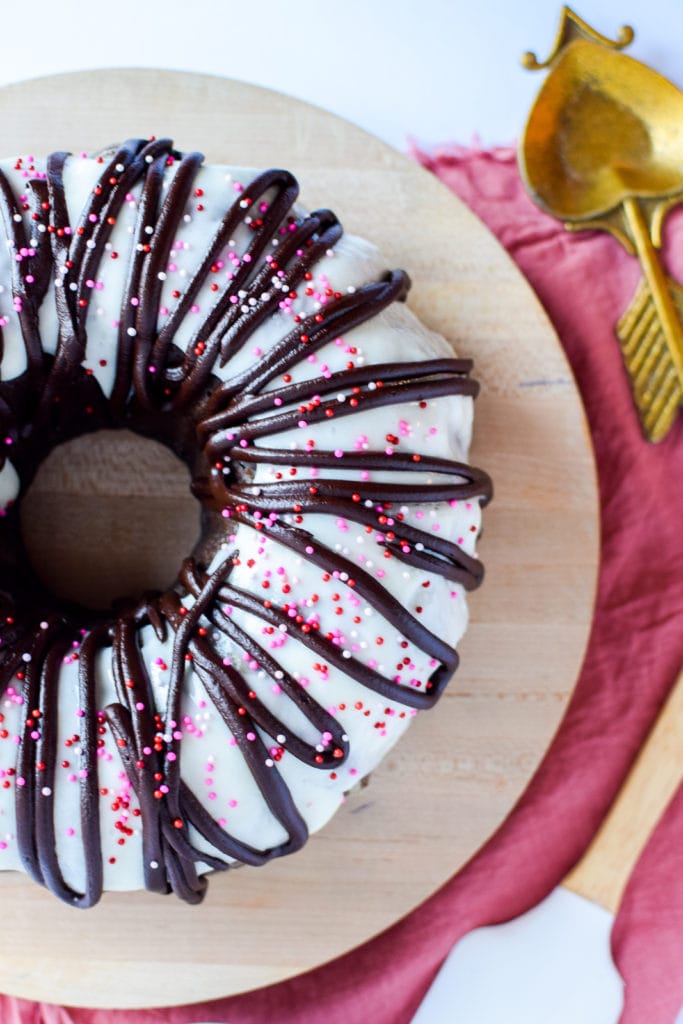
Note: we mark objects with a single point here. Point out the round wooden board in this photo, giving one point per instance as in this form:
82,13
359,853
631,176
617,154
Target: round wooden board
458,773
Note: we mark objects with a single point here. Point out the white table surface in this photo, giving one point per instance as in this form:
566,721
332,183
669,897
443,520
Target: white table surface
435,70
428,70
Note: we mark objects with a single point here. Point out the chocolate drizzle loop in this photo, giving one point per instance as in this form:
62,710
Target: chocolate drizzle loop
225,416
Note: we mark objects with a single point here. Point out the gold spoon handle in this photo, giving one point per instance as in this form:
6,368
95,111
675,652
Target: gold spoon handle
603,871
656,279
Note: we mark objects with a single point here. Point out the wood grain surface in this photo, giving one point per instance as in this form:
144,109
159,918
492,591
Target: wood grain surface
454,778
605,868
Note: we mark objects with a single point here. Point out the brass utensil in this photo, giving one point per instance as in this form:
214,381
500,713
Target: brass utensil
603,148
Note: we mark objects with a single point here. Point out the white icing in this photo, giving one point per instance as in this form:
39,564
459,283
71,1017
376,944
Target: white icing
211,764
9,484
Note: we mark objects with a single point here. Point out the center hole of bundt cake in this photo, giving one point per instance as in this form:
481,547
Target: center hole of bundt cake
108,516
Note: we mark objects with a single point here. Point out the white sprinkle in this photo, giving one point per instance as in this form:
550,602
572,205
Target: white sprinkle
131,332
26,657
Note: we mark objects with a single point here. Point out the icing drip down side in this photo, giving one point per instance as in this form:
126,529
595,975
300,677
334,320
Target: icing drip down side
326,432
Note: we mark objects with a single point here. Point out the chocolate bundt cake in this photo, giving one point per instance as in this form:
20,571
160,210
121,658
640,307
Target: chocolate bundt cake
326,431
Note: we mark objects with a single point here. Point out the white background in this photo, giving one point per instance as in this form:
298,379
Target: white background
432,70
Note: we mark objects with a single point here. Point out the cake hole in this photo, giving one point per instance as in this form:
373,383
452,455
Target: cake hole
108,516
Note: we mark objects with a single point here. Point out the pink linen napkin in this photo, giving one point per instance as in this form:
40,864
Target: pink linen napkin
585,283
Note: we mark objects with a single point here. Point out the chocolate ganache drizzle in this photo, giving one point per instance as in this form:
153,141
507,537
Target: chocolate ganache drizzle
227,415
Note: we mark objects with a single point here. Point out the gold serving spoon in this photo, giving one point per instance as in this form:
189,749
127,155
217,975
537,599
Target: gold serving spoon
603,148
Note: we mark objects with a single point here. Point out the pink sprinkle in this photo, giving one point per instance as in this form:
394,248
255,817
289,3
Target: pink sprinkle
71,832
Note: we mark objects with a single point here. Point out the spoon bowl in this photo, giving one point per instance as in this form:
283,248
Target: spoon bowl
603,128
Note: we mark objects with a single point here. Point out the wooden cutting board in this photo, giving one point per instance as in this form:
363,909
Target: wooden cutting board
458,773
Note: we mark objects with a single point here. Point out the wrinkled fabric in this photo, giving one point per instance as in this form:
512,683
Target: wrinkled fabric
585,282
